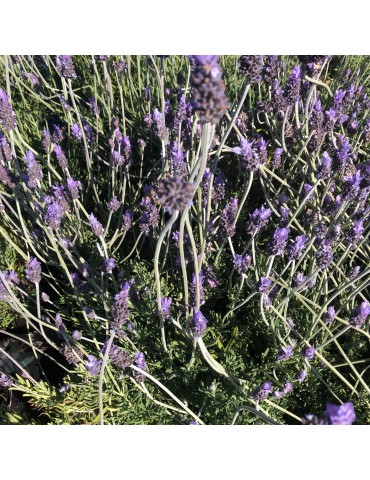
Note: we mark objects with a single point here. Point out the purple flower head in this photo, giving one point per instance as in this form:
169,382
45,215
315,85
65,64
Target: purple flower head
96,226
250,158
7,115
109,265
301,376
359,314
198,324
275,161
127,220
263,285
34,173
341,414
308,352
74,186
324,170
330,315
140,363
65,66
251,67
324,254
261,393
208,90
113,204
54,214
93,365
299,279
175,193
285,353
227,217
33,270
294,251
258,219
76,132
77,335
5,381
159,125
62,159
242,263
121,307
166,303
46,141
278,242
292,87
354,235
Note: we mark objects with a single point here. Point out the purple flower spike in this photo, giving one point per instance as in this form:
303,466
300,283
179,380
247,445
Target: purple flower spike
33,270
166,303
285,353
109,265
198,324
342,414
96,226
360,314
7,115
264,285
261,393
242,263
308,352
65,66
93,365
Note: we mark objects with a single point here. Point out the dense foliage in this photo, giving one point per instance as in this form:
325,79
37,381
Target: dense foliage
184,239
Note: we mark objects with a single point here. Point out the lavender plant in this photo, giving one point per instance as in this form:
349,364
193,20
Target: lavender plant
191,238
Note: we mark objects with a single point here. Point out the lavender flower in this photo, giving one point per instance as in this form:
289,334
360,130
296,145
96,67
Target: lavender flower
140,363
119,357
198,324
62,159
159,125
330,316
300,377
46,141
7,115
54,214
121,307
166,303
261,393
209,99
275,161
64,103
175,193
242,263
270,69
263,285
292,87
250,158
77,335
76,132
354,235
278,242
34,173
93,365
308,352
341,414
72,355
295,251
258,219
324,254
33,270
65,66
359,314
285,353
251,67
113,204
74,186
127,220
96,226
5,381
109,265
227,218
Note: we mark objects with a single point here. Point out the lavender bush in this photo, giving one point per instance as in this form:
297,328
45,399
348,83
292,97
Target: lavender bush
189,239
